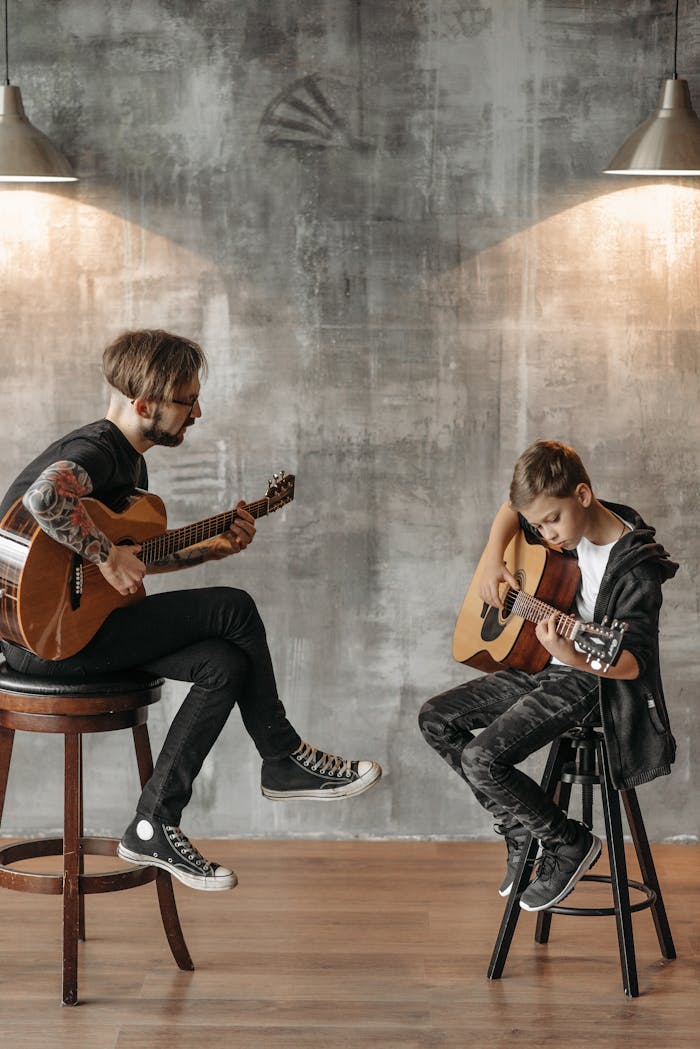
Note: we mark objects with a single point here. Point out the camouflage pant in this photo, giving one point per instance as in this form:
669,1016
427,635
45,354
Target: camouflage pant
518,714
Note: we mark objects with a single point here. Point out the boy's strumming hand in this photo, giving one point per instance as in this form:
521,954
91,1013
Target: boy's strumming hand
494,574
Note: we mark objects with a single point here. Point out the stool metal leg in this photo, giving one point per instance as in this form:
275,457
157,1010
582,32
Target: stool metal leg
646,866
71,868
7,738
618,874
511,914
164,882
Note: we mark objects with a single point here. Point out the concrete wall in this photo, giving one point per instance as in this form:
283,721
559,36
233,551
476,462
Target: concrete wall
396,296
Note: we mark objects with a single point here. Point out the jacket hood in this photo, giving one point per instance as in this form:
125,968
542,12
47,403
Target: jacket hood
639,545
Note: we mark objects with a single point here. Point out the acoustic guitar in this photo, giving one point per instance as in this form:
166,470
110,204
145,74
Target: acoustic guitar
490,639
53,601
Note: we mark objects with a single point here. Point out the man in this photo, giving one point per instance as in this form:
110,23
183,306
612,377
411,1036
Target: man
212,637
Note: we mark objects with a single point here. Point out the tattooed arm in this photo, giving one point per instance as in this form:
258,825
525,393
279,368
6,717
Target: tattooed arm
54,501
231,542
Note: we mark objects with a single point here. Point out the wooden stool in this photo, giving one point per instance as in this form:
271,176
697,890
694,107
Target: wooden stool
33,704
580,757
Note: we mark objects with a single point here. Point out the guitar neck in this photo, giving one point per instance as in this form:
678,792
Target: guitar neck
531,608
175,539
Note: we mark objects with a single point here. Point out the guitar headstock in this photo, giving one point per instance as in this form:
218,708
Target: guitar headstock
600,642
280,490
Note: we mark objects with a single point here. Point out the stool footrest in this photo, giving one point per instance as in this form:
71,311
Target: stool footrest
649,899
52,884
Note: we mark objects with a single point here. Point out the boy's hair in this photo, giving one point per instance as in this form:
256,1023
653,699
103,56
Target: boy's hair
152,363
546,468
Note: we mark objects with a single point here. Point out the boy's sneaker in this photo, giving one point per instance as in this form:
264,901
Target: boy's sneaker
311,773
147,841
516,840
560,868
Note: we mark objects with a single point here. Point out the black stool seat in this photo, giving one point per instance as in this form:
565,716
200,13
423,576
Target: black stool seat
579,757
72,708
102,684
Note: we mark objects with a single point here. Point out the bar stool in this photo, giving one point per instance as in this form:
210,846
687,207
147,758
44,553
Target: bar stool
34,704
580,757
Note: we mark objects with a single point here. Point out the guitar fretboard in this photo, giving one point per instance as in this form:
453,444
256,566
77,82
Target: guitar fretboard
531,608
175,539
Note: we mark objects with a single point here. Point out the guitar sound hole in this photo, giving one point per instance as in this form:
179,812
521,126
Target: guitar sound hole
511,595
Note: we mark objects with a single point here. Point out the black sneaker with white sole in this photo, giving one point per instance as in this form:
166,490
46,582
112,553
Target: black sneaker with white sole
146,841
516,840
312,773
560,868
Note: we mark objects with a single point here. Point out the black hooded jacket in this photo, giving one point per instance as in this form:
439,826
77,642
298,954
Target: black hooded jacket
635,720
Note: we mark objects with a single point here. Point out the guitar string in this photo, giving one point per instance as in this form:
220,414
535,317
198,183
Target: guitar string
167,542
536,610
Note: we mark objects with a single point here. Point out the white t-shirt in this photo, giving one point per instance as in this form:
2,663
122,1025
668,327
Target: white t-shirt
592,562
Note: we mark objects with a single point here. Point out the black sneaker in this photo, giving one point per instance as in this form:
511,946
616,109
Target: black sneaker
311,773
559,869
516,840
146,841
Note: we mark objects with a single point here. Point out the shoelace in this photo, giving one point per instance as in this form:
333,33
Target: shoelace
514,843
319,761
548,864
183,845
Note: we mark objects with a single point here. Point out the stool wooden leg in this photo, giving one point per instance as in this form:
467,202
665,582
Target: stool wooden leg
81,835
618,873
646,866
164,882
7,738
511,914
71,868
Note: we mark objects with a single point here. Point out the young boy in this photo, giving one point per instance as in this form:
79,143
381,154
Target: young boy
622,569
211,637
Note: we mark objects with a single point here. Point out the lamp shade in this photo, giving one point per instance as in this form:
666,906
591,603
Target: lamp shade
26,155
668,143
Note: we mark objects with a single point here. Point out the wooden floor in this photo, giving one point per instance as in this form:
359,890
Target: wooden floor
339,945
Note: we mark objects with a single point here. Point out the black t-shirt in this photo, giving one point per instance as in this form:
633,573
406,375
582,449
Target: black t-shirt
109,459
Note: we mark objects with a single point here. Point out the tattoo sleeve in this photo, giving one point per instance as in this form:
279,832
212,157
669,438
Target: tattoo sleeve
187,558
54,502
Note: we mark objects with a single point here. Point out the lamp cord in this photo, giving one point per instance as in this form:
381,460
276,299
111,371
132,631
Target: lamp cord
675,44
7,50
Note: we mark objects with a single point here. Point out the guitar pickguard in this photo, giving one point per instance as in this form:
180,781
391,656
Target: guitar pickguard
492,625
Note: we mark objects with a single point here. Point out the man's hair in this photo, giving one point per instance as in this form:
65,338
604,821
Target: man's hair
546,468
152,363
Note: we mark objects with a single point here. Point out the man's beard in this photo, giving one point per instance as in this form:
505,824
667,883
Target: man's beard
157,435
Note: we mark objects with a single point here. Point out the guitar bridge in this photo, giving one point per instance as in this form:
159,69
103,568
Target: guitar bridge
76,583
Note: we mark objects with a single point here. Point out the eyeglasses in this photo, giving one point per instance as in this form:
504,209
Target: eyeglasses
186,404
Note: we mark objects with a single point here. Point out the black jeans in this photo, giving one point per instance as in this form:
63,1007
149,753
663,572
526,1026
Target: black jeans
518,714
213,637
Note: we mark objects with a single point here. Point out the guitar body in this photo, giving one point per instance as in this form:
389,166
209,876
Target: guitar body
488,640
41,608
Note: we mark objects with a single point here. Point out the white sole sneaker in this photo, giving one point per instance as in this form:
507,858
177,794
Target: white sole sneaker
205,884
588,861
329,793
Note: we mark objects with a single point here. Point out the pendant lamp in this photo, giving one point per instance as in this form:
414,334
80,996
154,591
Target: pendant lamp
26,155
668,143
